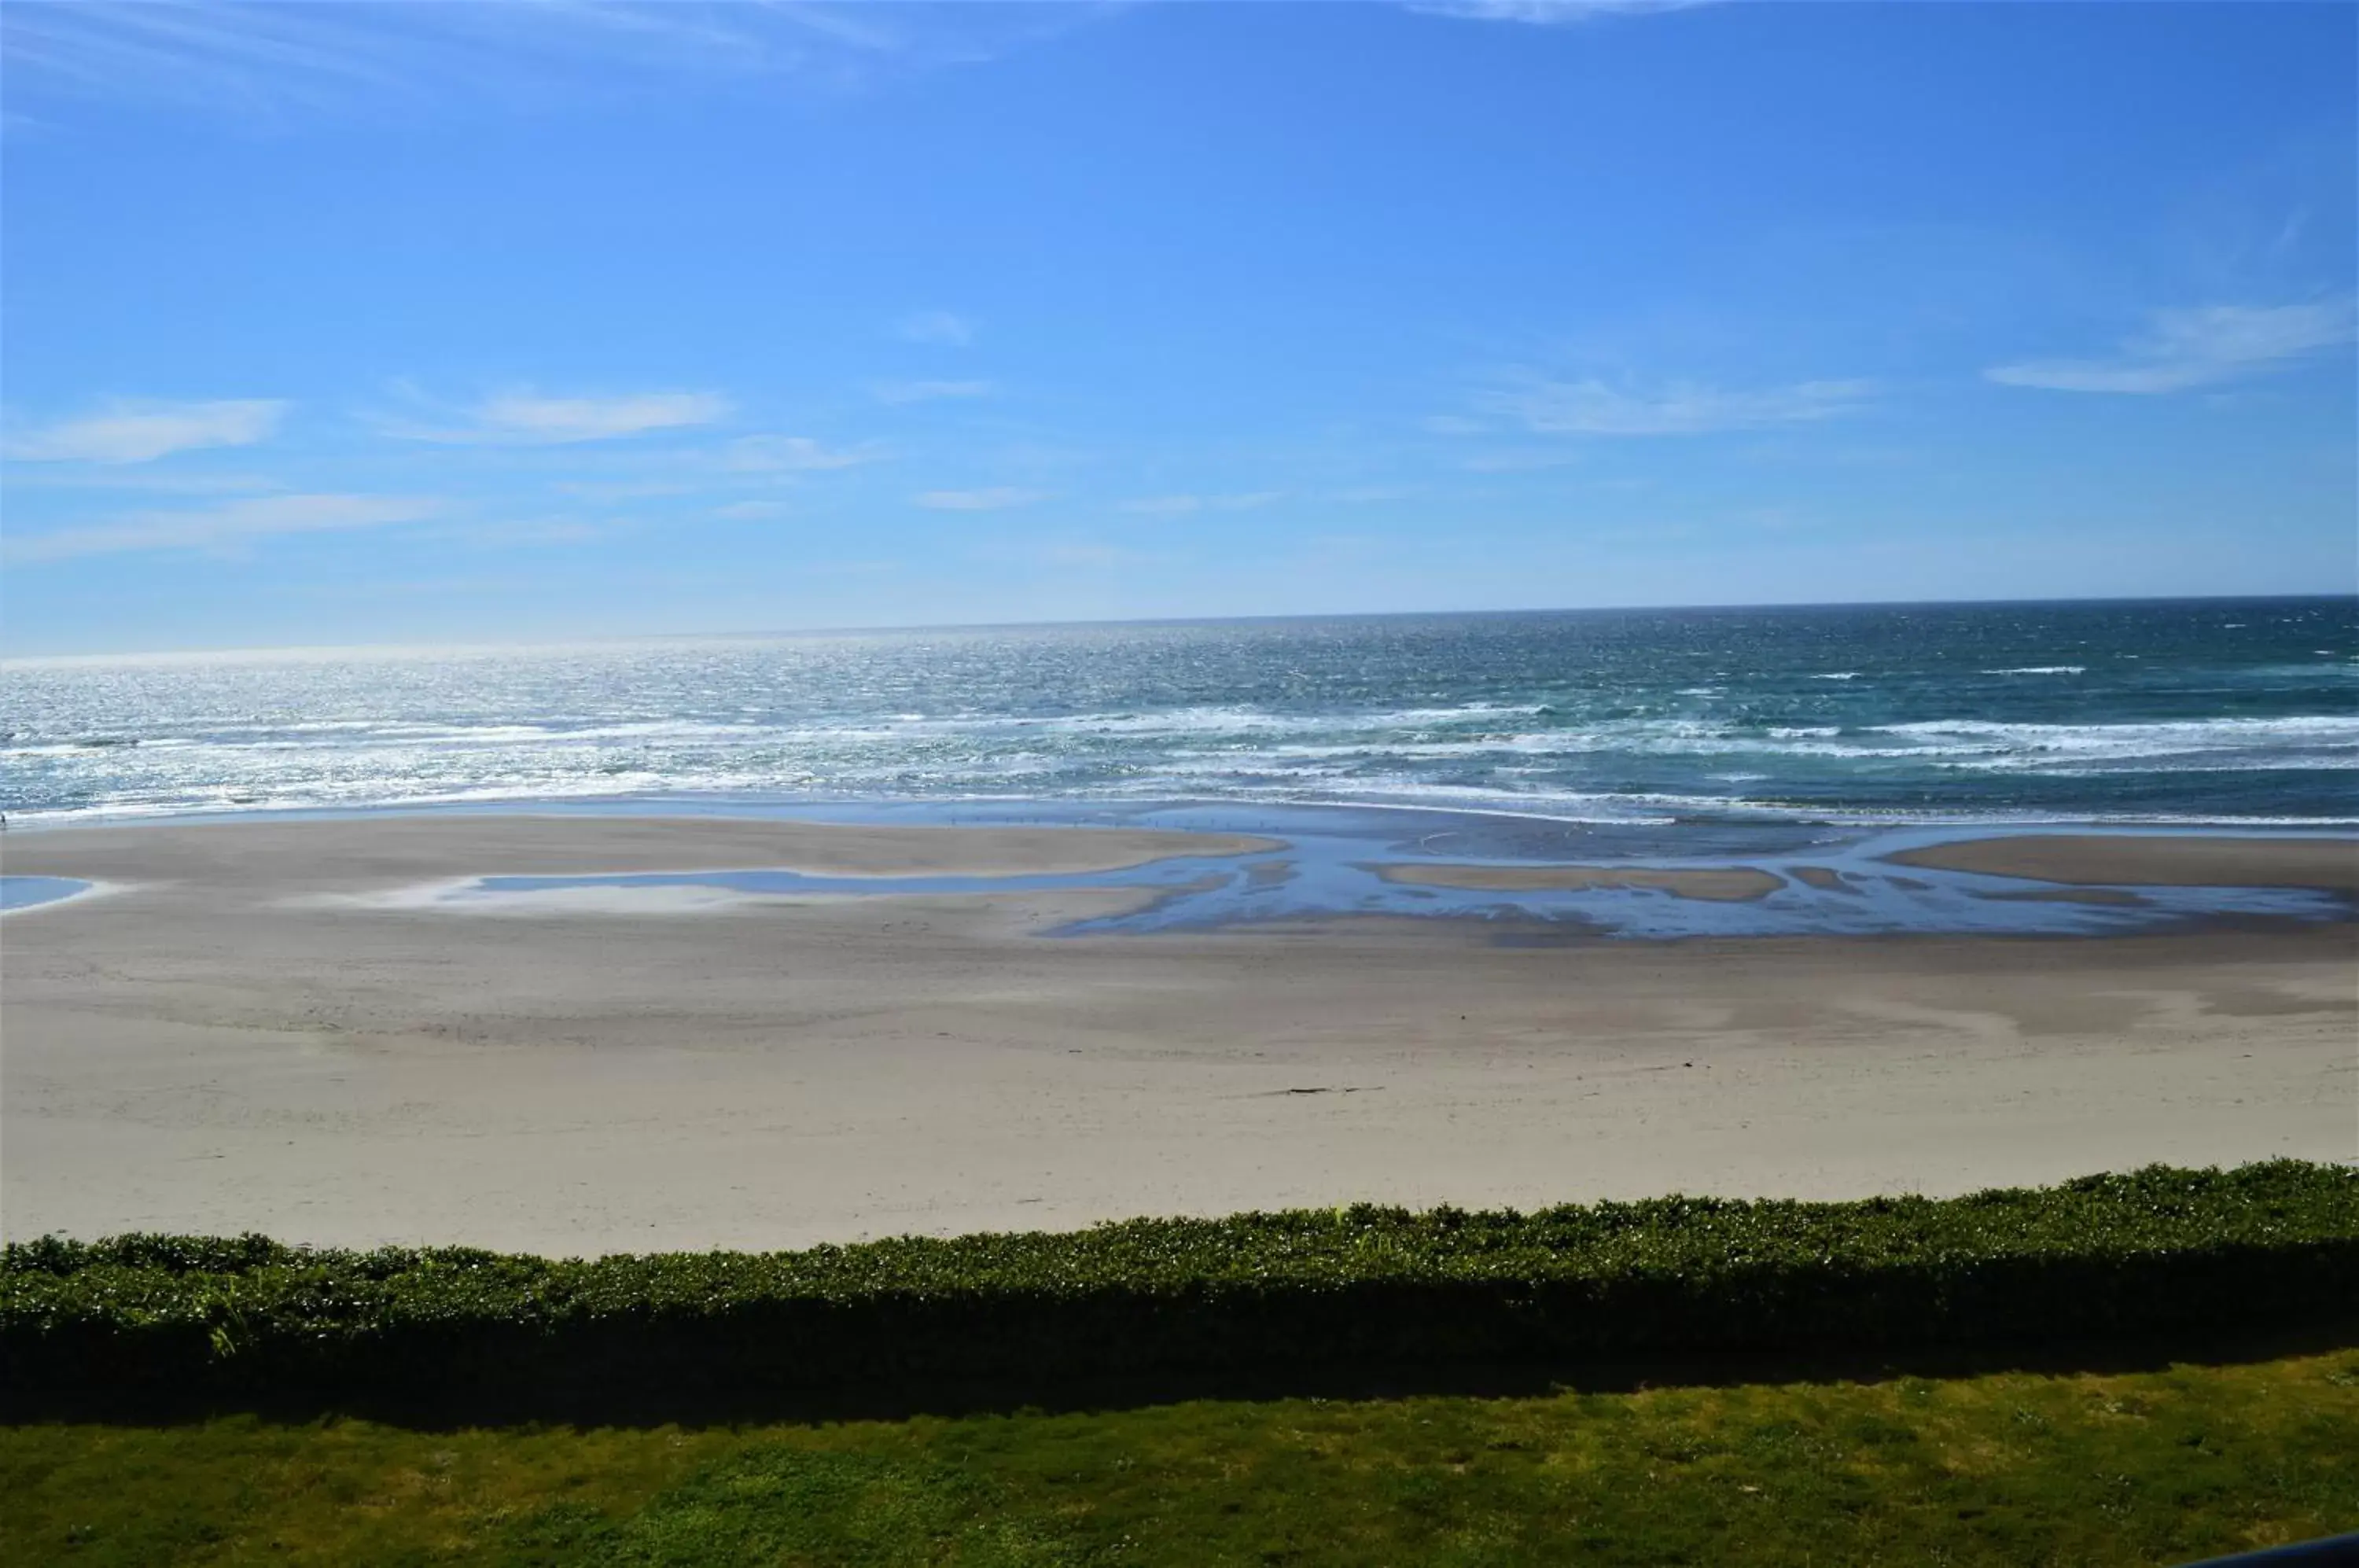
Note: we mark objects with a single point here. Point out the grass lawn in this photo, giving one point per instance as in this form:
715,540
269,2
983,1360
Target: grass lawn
2010,1468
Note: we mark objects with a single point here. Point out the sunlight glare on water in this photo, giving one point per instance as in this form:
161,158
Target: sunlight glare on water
2237,711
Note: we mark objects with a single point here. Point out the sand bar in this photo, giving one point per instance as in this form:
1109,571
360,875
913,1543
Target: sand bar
1729,883
239,858
2143,860
211,1049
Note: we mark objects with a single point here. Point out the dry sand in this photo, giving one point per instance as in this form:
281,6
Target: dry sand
210,1047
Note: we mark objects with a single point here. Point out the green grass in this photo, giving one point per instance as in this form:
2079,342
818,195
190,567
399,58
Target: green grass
2004,1468
2080,1466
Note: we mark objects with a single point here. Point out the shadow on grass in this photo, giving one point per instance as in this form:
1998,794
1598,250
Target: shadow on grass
519,1402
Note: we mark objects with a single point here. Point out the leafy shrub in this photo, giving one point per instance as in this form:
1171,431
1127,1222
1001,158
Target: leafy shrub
2153,1250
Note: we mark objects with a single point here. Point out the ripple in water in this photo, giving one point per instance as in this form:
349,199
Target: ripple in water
2234,710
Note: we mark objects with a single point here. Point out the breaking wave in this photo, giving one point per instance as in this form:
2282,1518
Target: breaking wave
1640,718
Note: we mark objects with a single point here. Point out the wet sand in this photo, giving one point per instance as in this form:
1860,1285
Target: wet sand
1731,883
212,1045
2137,860
247,860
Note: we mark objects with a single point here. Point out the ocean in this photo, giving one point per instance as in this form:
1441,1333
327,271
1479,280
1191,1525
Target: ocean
2237,712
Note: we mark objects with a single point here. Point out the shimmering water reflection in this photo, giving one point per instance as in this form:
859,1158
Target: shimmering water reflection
1330,864
25,892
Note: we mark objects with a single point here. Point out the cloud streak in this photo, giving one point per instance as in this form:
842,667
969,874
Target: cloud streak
132,431
270,60
793,454
940,327
994,498
230,525
1182,505
145,481
528,419
1594,408
1548,13
2201,346
1521,461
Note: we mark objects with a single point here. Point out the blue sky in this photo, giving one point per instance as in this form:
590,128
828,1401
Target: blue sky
337,323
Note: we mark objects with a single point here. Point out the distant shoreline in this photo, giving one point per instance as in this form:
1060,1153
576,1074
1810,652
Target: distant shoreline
1085,810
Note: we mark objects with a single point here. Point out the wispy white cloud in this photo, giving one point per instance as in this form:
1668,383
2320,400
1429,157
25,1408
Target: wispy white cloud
273,60
606,491
229,525
2200,346
1095,555
1067,554
935,327
793,454
926,391
1163,506
1181,505
145,481
1521,460
1594,408
995,498
530,419
1548,13
759,461
750,511
527,533
137,431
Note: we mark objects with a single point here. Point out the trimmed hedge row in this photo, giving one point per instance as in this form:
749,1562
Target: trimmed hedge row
2157,1250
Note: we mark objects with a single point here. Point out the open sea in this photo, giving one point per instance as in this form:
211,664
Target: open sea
2241,712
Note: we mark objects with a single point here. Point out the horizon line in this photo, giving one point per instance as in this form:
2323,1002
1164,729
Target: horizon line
773,634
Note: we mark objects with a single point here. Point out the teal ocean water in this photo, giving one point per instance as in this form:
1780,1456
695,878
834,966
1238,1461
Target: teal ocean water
2221,710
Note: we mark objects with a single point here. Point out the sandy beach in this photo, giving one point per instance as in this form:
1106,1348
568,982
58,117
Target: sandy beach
248,1030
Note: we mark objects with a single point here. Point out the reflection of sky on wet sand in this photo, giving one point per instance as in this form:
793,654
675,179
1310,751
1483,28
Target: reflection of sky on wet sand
1332,863
25,892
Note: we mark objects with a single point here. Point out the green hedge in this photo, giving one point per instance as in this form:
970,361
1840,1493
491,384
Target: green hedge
2159,1249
